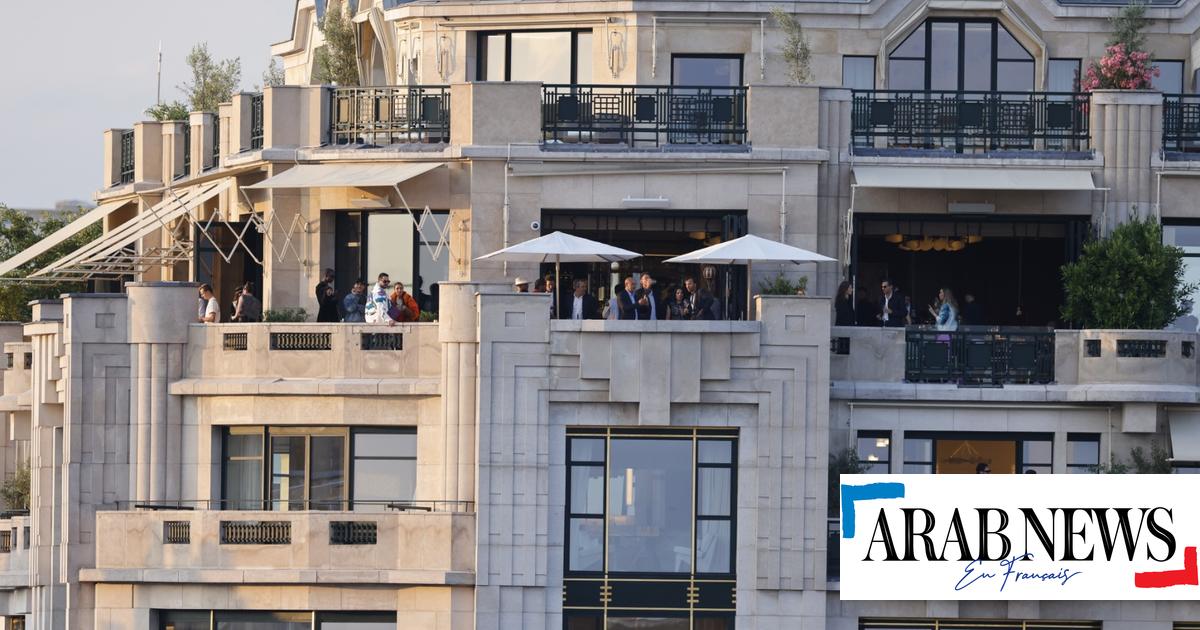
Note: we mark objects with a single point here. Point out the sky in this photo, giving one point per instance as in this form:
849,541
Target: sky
75,68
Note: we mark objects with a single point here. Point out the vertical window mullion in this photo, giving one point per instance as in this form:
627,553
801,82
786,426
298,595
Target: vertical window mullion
508,56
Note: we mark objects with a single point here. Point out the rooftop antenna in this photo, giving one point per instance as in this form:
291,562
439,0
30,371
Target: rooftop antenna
158,89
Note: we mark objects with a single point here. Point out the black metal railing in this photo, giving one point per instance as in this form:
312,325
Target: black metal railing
256,532
301,341
6,541
353,532
256,121
177,532
187,150
235,342
215,158
644,116
1181,123
382,116
382,341
979,356
125,175
969,122
326,505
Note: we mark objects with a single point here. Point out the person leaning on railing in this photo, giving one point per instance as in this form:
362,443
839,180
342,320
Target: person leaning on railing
248,307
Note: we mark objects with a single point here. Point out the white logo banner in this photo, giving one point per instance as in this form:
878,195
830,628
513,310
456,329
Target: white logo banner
1034,537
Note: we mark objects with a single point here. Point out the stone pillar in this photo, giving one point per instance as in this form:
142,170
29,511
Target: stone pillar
159,315
783,116
833,203
458,333
508,113
112,157
1127,132
295,116
147,152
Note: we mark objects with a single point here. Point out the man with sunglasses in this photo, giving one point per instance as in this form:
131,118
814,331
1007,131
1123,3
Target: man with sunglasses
892,311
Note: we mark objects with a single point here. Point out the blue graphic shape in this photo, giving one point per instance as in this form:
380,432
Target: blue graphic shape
852,494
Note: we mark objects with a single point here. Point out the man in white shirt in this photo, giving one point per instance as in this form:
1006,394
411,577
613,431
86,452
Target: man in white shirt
583,305
210,311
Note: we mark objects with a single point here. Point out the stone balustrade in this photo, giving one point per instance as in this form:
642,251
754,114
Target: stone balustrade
233,546
1089,365
313,352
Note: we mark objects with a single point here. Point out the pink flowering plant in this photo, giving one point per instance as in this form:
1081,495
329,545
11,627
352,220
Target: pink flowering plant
1120,69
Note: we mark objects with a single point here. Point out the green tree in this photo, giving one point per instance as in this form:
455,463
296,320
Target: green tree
213,82
20,231
845,462
795,50
168,111
273,75
337,61
1156,462
1128,280
1127,25
15,489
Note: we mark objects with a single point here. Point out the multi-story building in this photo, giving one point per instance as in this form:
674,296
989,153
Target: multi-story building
501,469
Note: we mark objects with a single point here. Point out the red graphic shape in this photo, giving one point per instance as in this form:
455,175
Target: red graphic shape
1188,575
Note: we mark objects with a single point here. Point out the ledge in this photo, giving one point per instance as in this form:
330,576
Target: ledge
1094,393
664,326
276,576
305,387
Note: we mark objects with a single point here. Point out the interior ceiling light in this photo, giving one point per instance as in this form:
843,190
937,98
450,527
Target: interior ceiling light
894,239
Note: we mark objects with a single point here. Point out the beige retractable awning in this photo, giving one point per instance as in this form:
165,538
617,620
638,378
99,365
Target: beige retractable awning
355,175
1185,435
71,229
963,178
94,255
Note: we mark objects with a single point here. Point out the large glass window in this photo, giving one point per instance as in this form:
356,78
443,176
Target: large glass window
858,72
1187,238
243,471
950,55
357,621
706,70
1170,76
546,56
964,453
244,620
311,468
265,620
385,468
640,516
185,620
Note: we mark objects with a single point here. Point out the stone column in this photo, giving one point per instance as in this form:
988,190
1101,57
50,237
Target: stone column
1127,132
159,315
458,333
833,203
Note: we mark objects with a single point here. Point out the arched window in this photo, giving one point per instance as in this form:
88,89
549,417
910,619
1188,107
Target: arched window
951,54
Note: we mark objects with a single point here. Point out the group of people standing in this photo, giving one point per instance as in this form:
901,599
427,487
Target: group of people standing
894,309
246,307
386,303
631,300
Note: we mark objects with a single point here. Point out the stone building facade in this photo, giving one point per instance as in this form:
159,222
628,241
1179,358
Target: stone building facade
499,468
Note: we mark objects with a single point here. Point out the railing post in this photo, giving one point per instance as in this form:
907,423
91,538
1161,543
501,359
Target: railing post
783,116
495,113
1127,127
147,152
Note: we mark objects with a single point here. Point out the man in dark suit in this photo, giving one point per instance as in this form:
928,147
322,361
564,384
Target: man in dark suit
627,300
699,302
649,304
892,312
581,304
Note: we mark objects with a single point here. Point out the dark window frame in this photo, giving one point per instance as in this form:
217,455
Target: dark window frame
1017,437
695,436
874,69
872,434
1078,71
1078,438
961,22
482,52
267,432
741,59
1182,63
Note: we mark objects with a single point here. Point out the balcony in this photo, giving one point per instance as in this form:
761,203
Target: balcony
353,359
995,124
390,115
14,550
1181,126
1019,364
632,116
209,546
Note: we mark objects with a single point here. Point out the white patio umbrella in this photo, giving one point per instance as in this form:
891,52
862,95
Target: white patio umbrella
558,248
748,250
